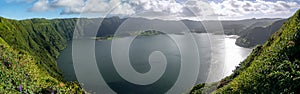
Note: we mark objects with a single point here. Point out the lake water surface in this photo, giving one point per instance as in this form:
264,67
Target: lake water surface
218,58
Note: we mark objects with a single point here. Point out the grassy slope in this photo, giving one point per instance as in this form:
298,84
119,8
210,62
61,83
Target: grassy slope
31,47
272,68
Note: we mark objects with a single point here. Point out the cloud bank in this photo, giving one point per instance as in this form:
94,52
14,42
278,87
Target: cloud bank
172,9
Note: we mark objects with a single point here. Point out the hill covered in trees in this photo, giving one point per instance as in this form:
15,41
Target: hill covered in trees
28,52
258,35
271,68
30,48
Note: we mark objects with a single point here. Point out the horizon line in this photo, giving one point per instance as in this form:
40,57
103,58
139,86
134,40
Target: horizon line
136,17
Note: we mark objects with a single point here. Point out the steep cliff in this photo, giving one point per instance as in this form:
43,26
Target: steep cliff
29,49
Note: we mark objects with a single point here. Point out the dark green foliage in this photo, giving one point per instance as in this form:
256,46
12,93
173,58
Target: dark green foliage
40,37
197,88
204,88
272,68
150,33
19,73
42,40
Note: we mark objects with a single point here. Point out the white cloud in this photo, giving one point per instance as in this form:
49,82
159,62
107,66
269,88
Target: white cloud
124,9
171,8
41,5
69,6
84,6
114,6
236,8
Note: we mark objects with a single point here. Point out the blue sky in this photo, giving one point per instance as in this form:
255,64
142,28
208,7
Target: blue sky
20,10
162,9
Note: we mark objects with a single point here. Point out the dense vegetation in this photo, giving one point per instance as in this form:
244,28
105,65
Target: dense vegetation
271,68
258,35
29,49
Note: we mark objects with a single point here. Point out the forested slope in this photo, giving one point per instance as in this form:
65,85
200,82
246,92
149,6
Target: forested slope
29,49
258,35
271,69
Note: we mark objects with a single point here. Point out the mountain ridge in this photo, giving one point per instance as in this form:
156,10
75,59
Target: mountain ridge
257,35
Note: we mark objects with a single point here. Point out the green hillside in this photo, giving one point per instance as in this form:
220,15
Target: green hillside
271,68
29,49
258,35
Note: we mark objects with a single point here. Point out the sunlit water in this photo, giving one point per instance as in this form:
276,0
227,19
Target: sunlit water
218,58
233,54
